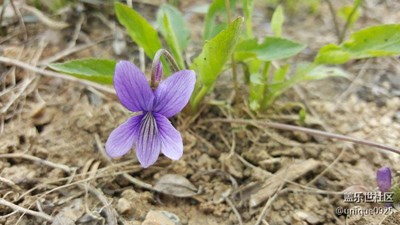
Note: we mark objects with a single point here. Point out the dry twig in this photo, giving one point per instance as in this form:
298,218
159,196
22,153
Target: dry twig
308,131
10,183
110,213
235,211
268,204
39,160
26,211
352,84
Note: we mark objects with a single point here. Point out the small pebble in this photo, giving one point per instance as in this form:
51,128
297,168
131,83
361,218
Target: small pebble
161,218
123,206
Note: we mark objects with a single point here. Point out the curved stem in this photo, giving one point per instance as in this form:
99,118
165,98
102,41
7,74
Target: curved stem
348,21
27,211
155,67
170,58
335,20
282,126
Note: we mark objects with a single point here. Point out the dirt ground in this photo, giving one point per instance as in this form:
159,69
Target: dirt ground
53,169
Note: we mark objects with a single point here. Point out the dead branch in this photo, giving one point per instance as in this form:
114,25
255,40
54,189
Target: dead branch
39,160
282,126
26,211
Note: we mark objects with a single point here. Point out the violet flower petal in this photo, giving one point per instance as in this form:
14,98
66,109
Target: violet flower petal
132,88
122,138
148,145
171,140
384,179
172,95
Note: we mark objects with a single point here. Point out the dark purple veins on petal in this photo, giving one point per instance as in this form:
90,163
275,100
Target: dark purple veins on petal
132,88
148,145
122,138
173,94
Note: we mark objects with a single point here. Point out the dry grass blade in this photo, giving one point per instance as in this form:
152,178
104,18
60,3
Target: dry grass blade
268,205
235,211
57,25
10,183
282,126
110,213
39,160
26,211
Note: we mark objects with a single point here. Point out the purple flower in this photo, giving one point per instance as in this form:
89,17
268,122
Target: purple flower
150,131
384,179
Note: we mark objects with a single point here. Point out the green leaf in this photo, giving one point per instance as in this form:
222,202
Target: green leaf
277,21
138,29
217,9
305,72
215,54
332,54
272,48
97,70
248,14
383,40
172,27
308,72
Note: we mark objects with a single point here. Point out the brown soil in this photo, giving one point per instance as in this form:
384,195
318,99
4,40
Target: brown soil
52,135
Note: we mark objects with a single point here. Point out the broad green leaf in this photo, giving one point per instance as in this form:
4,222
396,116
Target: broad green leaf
277,21
97,70
272,48
345,13
382,40
172,27
305,72
216,52
248,14
308,72
332,54
139,29
217,9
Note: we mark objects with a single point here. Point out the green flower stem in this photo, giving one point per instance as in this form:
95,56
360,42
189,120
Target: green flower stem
180,60
267,64
348,20
335,20
200,95
249,28
233,63
248,12
265,89
156,61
